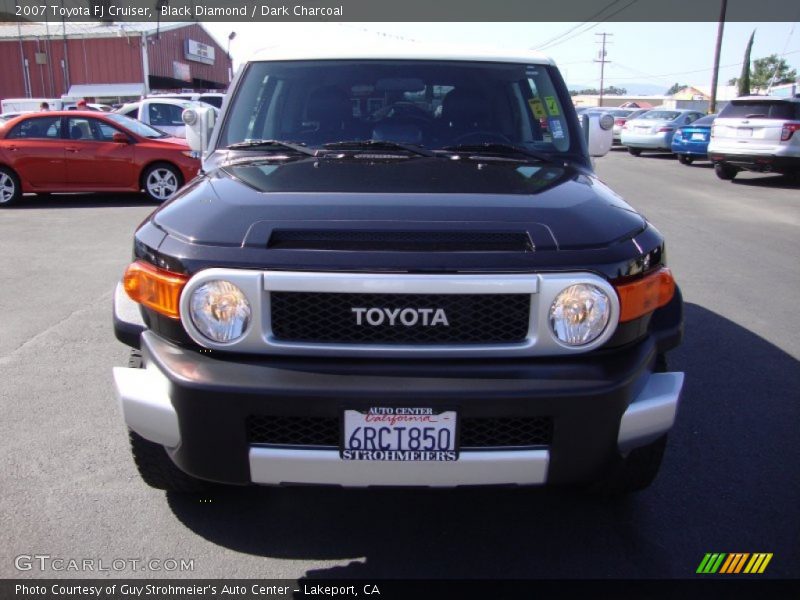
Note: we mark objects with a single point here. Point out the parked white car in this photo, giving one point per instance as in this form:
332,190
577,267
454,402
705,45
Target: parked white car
757,133
162,113
654,129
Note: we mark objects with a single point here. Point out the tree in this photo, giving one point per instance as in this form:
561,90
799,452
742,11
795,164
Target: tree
762,70
744,78
609,91
676,87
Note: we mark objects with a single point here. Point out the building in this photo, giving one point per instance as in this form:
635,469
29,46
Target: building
642,101
698,97
108,60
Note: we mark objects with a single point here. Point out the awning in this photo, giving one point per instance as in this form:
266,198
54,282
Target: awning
106,90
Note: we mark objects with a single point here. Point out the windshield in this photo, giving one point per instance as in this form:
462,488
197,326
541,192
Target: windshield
136,127
431,103
660,115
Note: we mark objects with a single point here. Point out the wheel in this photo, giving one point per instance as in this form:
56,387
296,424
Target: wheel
10,188
634,472
635,151
725,171
160,181
685,159
151,459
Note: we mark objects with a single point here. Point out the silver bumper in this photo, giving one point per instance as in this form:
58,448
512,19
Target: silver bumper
143,395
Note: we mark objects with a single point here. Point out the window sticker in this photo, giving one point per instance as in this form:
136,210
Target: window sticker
537,107
552,106
555,127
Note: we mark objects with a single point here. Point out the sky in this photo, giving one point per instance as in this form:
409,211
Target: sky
659,54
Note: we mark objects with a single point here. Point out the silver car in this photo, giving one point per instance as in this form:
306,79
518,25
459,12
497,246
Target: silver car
654,129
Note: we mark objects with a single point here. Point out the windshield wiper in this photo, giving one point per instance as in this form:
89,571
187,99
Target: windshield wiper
499,149
272,145
378,145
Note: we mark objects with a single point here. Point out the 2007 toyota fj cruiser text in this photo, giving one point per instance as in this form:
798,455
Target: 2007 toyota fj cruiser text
398,268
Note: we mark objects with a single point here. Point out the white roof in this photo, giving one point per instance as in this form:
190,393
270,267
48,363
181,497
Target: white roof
106,90
399,50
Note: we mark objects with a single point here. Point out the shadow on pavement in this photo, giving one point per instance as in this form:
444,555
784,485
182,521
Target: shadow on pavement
774,180
730,482
98,200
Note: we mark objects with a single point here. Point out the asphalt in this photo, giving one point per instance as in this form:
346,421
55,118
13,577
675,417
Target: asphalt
730,481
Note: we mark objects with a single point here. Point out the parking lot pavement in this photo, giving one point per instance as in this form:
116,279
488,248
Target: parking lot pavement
730,481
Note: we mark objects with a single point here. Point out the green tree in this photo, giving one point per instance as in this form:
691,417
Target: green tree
676,87
762,70
744,78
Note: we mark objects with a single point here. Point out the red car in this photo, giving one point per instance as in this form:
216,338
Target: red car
89,151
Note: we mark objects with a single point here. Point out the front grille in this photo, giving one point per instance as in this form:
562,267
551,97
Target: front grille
476,433
400,241
329,318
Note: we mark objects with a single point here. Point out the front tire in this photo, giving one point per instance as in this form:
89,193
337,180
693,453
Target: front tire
725,171
635,151
160,182
10,187
685,159
154,465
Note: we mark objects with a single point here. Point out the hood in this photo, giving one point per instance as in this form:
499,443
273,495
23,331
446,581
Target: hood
560,207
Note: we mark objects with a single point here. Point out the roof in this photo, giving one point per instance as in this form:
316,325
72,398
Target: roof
399,50
768,98
94,29
106,90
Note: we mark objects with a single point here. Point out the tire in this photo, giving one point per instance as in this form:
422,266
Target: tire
154,465
635,472
160,181
10,187
685,159
635,151
725,171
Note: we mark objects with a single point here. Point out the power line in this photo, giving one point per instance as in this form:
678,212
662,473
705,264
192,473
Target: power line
593,25
602,62
573,28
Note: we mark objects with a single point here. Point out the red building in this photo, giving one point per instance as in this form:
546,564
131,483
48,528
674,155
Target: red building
42,60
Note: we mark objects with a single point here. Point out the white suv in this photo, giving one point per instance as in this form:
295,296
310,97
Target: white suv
757,133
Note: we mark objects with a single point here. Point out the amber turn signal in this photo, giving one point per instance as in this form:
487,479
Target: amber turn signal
155,288
645,295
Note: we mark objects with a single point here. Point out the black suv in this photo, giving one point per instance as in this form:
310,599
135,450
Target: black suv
398,270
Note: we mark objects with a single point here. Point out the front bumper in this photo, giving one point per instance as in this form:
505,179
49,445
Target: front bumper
196,404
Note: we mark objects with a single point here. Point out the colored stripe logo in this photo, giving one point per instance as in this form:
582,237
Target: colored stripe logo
734,563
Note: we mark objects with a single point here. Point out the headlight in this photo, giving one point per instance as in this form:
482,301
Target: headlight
220,311
580,314
191,153
189,116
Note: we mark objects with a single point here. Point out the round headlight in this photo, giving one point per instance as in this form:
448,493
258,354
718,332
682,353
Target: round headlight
189,116
606,122
220,311
580,314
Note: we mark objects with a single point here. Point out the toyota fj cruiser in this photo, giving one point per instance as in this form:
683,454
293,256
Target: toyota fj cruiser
398,268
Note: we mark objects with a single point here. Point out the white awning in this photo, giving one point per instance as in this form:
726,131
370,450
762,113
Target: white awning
106,90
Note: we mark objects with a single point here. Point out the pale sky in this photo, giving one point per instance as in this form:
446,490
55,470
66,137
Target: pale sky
655,53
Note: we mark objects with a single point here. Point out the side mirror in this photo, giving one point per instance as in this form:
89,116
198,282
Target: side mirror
200,121
598,129
119,138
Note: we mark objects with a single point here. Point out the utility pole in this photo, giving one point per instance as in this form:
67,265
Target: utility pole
602,60
712,105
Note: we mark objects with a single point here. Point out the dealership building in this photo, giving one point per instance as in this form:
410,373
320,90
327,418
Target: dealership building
108,61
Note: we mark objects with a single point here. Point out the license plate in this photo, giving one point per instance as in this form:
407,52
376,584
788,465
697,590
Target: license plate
399,434
744,132
643,129
699,136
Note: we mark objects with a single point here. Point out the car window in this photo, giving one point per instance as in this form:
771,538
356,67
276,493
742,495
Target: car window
212,100
762,109
661,115
165,114
137,127
707,120
436,104
37,128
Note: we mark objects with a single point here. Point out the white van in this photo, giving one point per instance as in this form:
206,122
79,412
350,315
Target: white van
20,105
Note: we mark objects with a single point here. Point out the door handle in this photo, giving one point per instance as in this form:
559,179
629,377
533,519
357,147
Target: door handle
12,148
72,149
